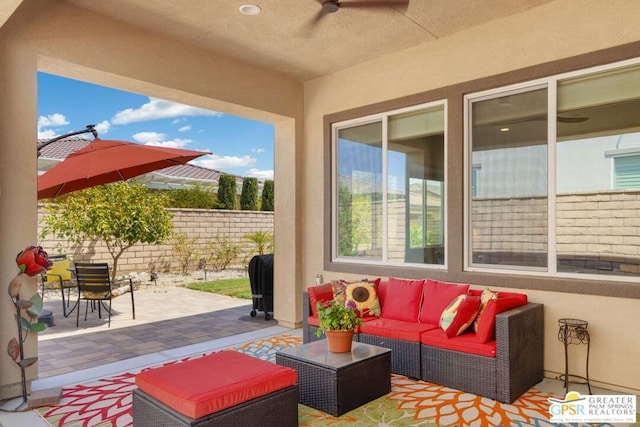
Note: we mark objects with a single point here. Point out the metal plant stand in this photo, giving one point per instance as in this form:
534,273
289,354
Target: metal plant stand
574,331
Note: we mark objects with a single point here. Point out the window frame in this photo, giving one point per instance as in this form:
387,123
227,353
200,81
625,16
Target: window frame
454,94
383,118
551,83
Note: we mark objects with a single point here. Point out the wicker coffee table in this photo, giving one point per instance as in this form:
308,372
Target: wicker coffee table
337,383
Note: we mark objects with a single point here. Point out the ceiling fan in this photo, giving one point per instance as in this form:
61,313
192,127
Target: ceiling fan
331,6
560,119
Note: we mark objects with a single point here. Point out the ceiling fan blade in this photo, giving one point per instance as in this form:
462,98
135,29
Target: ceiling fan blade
572,119
541,118
374,3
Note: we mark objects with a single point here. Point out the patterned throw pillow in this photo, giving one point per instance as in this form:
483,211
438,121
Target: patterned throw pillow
459,314
365,297
338,288
487,295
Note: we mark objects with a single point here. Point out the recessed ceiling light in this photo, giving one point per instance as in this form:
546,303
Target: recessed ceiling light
250,9
504,129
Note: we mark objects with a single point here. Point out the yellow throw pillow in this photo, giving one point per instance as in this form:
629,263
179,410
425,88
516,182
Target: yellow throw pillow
365,297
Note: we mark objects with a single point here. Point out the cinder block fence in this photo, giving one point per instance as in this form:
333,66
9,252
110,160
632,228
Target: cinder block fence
203,224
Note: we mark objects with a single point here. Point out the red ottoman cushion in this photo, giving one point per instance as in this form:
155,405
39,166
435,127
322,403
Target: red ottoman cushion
208,384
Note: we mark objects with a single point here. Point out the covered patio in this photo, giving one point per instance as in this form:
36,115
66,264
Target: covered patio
305,74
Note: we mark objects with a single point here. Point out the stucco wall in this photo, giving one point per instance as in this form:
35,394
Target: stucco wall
551,32
56,37
202,224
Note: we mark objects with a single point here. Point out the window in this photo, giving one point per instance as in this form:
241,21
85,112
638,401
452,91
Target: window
558,190
389,186
626,172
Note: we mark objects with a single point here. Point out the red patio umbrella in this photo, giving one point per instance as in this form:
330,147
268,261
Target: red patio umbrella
104,161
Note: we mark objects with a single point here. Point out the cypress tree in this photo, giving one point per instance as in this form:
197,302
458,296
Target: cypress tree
227,192
249,195
267,196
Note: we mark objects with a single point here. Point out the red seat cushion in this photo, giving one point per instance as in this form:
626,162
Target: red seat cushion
319,293
396,329
208,384
465,343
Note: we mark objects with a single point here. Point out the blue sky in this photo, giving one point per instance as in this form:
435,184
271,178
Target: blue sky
239,146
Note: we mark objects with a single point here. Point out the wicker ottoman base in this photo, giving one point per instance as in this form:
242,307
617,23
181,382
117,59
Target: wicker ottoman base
276,409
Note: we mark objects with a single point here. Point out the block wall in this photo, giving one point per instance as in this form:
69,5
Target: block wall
202,224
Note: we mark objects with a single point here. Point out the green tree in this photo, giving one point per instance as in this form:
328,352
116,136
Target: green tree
227,192
121,215
267,196
249,195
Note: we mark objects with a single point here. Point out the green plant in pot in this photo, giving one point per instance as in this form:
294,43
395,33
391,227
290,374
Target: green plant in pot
338,322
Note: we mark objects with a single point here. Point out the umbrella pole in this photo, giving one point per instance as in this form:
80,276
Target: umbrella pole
89,128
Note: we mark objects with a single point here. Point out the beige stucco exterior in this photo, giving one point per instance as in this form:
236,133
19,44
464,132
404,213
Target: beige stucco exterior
55,37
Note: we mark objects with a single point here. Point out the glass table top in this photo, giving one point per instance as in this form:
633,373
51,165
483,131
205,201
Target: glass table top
317,352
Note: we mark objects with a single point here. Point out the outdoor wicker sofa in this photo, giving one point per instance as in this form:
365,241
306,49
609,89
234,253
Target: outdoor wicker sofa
500,363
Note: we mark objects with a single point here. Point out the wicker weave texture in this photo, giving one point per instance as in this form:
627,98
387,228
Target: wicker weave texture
337,391
405,355
462,371
519,350
277,409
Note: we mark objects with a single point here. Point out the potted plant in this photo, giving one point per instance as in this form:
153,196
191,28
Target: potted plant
338,322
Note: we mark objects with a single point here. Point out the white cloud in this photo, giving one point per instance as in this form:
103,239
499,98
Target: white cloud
103,127
213,161
158,139
158,109
147,137
257,150
55,119
173,143
185,128
47,134
260,174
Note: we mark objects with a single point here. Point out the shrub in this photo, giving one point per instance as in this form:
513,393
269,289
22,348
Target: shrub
261,240
267,196
221,252
227,192
186,250
192,198
249,195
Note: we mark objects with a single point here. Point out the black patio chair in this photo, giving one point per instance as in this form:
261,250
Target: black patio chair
95,286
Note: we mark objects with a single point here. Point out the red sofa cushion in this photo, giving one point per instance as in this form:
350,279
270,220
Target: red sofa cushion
465,343
396,329
402,300
208,384
319,293
437,296
487,319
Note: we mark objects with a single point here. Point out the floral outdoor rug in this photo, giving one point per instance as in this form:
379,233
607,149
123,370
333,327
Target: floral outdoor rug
107,402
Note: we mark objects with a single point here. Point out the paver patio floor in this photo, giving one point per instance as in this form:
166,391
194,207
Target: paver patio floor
166,318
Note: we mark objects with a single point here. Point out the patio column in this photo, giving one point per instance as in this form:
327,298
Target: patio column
18,212
287,254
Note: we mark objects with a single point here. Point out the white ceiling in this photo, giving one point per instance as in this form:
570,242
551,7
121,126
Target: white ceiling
284,37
